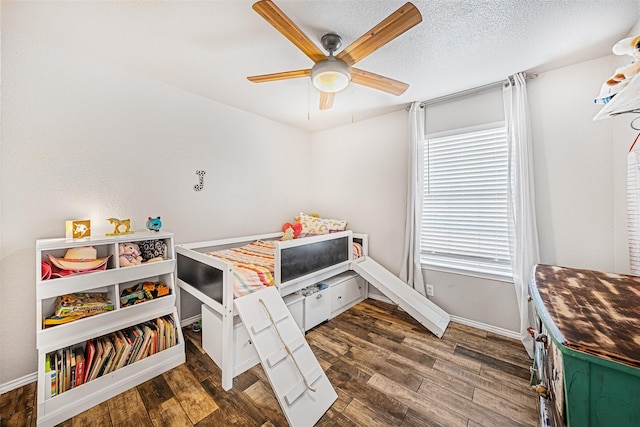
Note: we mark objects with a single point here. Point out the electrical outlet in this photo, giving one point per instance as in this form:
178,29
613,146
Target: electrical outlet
430,290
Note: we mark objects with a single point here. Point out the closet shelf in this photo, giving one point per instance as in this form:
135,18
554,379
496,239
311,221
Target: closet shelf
625,101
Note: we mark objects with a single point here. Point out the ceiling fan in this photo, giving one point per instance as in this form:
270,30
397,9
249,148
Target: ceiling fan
331,74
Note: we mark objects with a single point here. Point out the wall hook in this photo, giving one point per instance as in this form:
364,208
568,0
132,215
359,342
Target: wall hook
200,185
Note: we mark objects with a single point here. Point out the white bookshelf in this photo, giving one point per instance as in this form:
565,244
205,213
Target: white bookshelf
55,409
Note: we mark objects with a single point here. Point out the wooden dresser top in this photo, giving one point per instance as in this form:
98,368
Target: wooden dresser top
594,312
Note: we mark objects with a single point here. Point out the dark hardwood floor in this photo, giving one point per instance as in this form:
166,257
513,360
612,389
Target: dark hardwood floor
387,369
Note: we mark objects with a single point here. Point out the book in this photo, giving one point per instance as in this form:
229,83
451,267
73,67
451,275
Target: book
59,370
137,331
107,354
50,376
90,350
72,369
97,360
126,349
146,338
161,339
79,366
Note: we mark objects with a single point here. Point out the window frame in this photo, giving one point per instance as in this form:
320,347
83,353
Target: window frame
469,266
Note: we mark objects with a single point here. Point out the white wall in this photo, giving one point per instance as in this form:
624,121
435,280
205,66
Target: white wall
83,140
358,173
580,169
580,173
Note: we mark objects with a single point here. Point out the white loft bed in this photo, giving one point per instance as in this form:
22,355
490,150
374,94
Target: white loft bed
297,264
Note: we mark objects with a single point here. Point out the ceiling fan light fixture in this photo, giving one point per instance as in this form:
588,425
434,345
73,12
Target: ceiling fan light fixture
330,75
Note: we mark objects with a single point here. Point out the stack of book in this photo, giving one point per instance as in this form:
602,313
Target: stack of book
75,306
73,366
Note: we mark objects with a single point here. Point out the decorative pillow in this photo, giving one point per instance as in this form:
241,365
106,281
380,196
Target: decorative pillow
316,225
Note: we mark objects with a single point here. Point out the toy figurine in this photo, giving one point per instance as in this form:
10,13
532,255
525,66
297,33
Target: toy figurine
154,224
129,254
116,226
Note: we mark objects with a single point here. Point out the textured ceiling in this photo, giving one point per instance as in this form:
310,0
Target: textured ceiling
209,47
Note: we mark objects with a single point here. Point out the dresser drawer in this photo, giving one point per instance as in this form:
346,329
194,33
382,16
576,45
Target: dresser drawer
317,309
244,354
347,292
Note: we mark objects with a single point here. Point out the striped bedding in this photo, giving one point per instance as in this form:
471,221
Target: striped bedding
253,265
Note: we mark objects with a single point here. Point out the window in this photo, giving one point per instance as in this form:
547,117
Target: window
464,210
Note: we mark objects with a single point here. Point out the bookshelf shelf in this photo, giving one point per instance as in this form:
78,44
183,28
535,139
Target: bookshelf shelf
60,404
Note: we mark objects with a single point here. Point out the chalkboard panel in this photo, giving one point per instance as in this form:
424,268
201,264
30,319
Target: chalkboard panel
301,260
203,277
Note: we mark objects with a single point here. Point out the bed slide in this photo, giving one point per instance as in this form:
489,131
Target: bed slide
298,381
413,302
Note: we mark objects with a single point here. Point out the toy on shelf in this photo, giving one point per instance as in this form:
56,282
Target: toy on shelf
129,254
78,260
153,250
117,223
70,307
629,46
78,229
143,291
154,224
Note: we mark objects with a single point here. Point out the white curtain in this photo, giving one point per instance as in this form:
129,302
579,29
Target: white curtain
523,236
411,271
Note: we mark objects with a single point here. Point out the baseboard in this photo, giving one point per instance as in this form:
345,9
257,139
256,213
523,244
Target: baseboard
485,327
18,382
190,320
380,298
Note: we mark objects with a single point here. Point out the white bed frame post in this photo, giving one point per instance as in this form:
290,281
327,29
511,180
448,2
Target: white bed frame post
228,355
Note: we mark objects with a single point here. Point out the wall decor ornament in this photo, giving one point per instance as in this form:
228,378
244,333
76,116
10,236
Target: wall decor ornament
200,185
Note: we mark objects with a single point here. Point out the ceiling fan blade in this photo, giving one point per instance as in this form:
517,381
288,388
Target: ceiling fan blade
279,76
281,22
391,27
326,100
375,81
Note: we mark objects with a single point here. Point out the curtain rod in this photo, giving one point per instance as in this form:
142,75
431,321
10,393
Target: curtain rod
527,76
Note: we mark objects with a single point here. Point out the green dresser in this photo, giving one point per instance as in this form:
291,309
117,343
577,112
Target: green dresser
587,351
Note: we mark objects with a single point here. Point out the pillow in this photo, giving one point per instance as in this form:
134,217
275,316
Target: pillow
316,225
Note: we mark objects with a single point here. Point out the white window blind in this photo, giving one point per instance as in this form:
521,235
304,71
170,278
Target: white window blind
464,212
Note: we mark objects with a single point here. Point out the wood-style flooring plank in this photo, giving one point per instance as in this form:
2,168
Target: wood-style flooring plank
429,408
127,409
345,377
434,378
169,414
195,401
520,393
17,407
96,416
236,408
465,362
507,407
363,415
262,396
487,360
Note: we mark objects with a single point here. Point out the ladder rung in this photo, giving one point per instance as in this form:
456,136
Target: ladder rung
258,327
294,393
274,358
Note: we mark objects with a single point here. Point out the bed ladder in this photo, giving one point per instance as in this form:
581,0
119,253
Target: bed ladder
298,381
413,302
